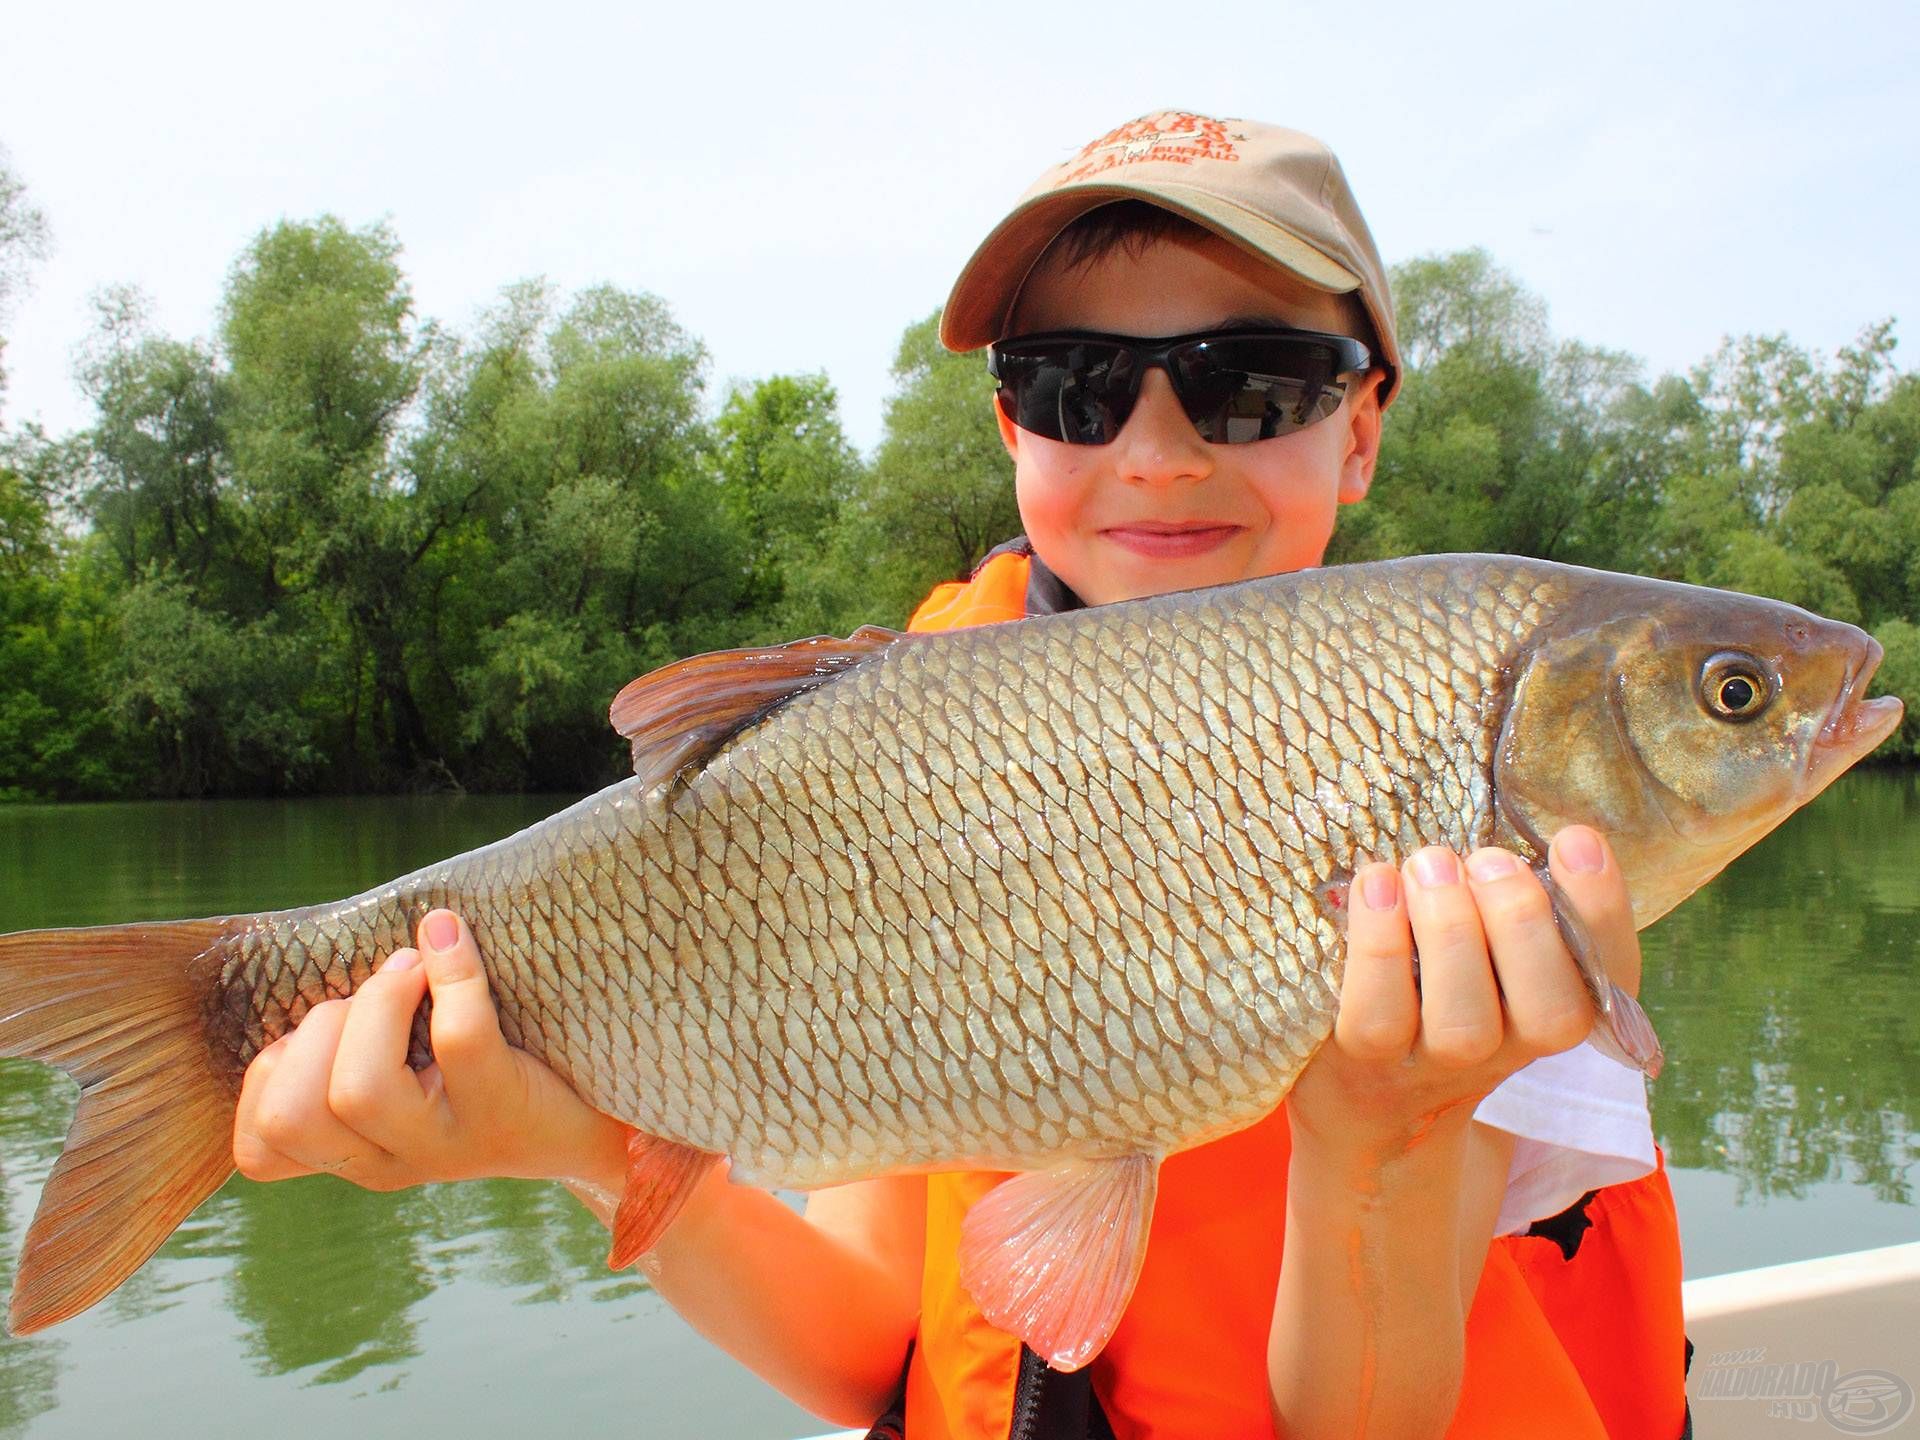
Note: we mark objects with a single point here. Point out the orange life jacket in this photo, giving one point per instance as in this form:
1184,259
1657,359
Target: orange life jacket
1586,1347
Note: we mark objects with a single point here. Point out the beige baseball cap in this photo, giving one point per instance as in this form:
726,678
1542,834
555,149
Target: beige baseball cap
1275,192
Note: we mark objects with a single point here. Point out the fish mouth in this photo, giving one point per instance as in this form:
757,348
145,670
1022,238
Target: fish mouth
1853,726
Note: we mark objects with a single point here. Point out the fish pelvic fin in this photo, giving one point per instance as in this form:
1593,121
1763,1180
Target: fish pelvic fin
661,1176
1052,1256
121,1009
1621,1029
678,716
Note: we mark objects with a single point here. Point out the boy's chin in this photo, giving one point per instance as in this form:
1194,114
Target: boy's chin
1164,577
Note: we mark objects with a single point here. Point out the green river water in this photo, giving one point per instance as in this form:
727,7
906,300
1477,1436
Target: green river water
1787,994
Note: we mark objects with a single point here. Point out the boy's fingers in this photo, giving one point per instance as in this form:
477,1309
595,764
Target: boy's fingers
1583,865
1379,1006
289,1117
1547,1005
371,1087
1460,1018
465,1029
252,1156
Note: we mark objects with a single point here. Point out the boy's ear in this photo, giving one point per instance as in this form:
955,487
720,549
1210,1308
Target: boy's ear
1363,438
1009,432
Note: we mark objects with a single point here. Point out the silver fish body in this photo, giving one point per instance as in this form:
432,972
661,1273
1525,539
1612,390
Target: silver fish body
1059,897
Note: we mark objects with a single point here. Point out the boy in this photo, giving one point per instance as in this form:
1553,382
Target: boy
1331,1270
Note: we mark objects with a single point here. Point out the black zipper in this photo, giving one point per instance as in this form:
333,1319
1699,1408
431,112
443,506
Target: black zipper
1028,1391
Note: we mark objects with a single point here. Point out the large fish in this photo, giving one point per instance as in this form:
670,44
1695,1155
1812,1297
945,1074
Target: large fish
1061,897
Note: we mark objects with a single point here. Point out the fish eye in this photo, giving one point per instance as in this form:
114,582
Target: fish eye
1735,686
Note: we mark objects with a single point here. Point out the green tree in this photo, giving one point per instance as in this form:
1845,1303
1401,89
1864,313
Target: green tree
55,635
1899,674
209,694
940,492
317,324
158,445
1501,440
1465,301
785,470
587,538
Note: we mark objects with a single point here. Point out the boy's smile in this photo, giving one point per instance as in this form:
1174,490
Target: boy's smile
1158,508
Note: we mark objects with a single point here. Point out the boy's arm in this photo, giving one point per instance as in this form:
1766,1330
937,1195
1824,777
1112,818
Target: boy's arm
821,1307
1393,1191
824,1306
1380,1268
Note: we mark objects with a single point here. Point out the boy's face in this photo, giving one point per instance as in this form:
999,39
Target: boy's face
1158,508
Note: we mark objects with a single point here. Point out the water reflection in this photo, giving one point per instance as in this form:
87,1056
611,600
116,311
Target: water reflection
1787,995
34,1106
337,1331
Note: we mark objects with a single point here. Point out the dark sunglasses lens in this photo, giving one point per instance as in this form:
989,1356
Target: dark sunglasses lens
1080,393
1237,390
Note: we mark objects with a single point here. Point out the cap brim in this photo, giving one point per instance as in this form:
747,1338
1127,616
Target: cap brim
978,310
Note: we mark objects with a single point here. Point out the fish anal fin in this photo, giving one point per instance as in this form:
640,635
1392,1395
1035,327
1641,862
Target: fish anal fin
677,716
1621,1029
661,1175
121,1009
1052,1256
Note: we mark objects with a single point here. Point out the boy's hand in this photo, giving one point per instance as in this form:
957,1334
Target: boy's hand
337,1096
1496,989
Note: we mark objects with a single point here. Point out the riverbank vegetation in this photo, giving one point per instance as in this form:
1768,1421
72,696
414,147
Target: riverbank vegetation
339,546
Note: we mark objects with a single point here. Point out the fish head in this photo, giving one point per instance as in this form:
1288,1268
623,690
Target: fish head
1684,723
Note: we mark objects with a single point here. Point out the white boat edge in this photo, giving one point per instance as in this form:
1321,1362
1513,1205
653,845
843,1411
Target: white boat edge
1799,1281
1814,1346
1847,1308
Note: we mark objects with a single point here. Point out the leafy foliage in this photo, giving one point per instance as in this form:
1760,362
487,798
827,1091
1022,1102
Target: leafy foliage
336,548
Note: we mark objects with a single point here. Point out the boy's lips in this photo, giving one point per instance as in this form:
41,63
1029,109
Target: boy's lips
1162,541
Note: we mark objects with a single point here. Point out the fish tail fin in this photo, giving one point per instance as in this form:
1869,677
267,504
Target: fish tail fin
121,1009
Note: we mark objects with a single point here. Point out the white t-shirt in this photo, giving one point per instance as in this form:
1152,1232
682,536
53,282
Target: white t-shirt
1582,1122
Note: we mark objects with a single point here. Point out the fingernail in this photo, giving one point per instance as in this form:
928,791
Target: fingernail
1381,888
1581,851
1485,865
443,931
400,960
1434,866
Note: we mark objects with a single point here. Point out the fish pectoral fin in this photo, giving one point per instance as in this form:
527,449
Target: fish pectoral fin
661,1175
1052,1256
1624,1033
679,715
1621,1029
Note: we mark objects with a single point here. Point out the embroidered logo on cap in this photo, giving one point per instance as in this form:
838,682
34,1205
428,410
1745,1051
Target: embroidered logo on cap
1169,136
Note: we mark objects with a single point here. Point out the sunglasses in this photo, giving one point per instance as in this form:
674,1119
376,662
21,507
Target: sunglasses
1235,385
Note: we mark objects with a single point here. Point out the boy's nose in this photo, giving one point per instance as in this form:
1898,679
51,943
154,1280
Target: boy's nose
1158,444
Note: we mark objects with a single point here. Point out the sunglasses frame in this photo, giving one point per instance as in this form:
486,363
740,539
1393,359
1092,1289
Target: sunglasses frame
1349,355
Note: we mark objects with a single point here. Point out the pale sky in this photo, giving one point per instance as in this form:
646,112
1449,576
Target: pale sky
800,181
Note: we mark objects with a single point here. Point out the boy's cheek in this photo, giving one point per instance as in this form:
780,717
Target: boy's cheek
1049,509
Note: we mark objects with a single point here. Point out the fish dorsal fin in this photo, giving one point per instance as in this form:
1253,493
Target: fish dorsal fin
679,715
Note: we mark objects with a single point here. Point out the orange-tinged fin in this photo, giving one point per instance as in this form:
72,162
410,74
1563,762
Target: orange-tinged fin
1052,1256
120,1009
679,715
1622,1030
661,1175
